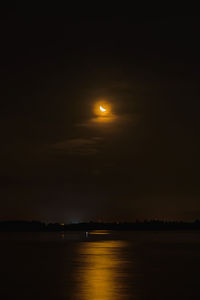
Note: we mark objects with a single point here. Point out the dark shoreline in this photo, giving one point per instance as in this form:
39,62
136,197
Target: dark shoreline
36,226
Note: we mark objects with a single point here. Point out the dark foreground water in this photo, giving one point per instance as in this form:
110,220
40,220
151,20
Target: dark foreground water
100,265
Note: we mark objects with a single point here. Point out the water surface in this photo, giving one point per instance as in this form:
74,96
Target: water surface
100,265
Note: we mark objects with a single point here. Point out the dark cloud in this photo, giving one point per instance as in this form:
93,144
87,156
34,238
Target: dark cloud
79,146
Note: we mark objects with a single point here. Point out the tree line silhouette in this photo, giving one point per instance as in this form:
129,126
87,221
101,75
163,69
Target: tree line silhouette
37,226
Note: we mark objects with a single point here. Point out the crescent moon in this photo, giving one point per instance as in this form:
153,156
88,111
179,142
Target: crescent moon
102,109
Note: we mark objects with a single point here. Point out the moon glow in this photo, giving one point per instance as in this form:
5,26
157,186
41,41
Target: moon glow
102,109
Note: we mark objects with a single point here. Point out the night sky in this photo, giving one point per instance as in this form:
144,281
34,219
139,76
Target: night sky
62,162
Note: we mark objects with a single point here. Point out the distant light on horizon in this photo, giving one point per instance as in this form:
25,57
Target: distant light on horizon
75,222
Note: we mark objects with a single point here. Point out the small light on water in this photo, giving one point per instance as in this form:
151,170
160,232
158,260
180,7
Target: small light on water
100,232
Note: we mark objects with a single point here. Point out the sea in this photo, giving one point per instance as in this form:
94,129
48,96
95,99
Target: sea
100,265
